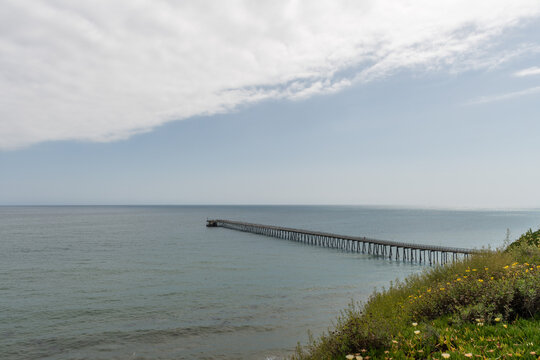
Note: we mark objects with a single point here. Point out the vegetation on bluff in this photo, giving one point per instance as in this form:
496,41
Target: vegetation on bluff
487,306
529,238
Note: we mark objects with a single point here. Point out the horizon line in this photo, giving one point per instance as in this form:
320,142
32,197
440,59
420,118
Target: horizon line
379,206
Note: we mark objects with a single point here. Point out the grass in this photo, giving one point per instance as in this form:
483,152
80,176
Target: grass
487,306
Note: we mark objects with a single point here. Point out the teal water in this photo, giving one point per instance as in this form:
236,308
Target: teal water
155,283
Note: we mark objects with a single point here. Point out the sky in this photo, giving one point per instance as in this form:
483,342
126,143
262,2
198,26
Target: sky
402,103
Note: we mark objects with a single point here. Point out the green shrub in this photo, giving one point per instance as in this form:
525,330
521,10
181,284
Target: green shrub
530,238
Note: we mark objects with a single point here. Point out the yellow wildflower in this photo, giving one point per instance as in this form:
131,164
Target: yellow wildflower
445,355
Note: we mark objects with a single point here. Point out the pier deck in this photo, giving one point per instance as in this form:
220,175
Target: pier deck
421,253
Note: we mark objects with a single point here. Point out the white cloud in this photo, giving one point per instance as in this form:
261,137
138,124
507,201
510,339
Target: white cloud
103,70
528,72
507,96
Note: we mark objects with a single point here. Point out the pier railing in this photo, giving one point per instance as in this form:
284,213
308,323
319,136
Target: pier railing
421,253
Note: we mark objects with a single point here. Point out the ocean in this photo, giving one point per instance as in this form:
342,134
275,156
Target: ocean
152,282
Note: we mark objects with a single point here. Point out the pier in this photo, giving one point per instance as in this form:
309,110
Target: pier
419,253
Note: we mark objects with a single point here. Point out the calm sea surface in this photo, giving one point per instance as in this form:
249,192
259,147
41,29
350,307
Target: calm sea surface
155,283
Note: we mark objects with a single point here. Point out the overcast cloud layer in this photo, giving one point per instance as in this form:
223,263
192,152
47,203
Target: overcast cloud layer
101,70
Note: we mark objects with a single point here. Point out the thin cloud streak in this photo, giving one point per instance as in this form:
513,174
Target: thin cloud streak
103,71
535,70
503,97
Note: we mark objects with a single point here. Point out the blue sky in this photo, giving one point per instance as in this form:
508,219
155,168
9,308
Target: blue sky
453,128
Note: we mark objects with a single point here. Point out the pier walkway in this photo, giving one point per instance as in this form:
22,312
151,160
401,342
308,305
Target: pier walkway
431,254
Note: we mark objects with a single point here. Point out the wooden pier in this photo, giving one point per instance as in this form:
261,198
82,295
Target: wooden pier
419,253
